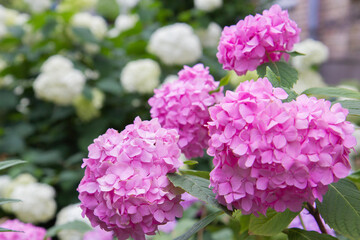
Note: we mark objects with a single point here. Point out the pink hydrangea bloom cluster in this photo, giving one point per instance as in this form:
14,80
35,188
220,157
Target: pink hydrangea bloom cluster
309,223
98,234
125,188
28,231
255,39
273,154
183,105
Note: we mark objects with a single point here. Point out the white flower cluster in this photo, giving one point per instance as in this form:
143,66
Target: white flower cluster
96,24
68,214
87,109
10,17
140,76
208,5
37,199
123,22
175,44
59,81
38,6
315,53
210,36
126,5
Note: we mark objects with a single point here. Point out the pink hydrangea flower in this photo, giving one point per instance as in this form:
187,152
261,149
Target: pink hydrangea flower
125,188
273,154
183,105
188,200
29,231
256,39
168,227
309,223
98,234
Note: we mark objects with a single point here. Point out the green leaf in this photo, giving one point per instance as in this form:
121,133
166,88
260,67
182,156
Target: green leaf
299,234
109,86
8,200
292,95
295,54
340,208
288,75
196,186
202,174
74,225
7,230
16,31
355,176
333,92
271,224
273,78
243,220
199,225
223,82
351,105
10,163
7,100
191,162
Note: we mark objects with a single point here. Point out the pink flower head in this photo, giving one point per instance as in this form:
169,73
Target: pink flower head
273,154
125,188
28,231
255,39
183,105
309,223
168,227
188,200
98,234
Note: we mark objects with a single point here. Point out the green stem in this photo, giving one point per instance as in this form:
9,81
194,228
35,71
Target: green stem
302,222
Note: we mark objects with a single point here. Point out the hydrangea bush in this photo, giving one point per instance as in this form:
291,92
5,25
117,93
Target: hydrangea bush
262,162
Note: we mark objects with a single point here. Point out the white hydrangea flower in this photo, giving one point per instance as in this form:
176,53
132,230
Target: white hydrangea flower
308,79
126,5
96,24
140,76
38,6
208,5
10,17
37,199
315,53
59,82
210,36
56,63
175,44
68,214
123,22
